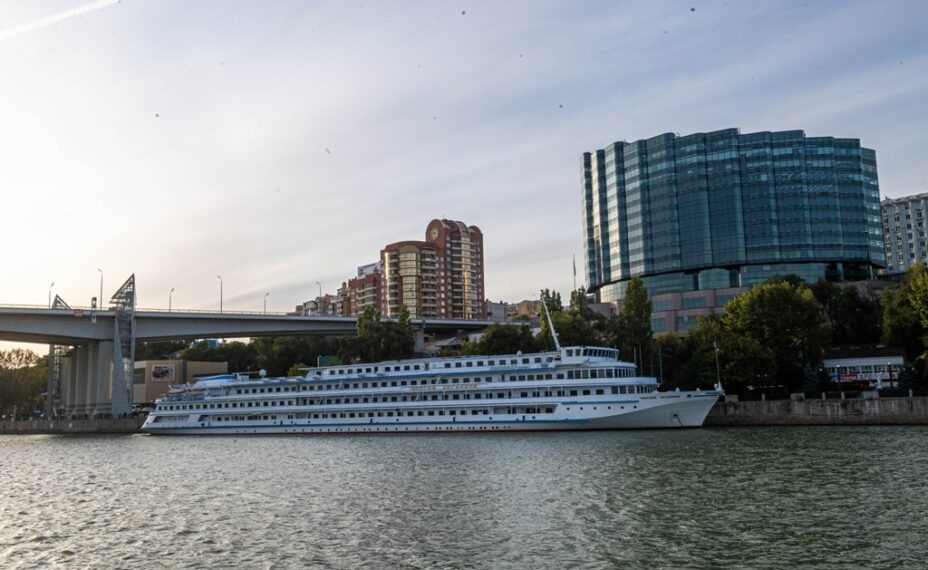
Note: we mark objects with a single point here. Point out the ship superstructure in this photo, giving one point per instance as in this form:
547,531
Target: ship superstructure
571,388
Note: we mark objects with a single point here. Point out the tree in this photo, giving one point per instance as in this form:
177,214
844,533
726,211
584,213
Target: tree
784,319
280,355
854,318
241,357
379,340
743,362
902,325
633,327
159,350
23,379
917,281
503,339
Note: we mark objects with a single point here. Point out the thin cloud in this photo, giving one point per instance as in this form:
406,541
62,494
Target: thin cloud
56,18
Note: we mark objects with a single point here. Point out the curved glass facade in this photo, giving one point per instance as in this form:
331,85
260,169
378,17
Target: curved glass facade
724,209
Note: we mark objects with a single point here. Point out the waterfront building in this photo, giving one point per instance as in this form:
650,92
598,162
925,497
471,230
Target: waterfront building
870,365
496,312
442,276
700,218
524,309
905,227
152,378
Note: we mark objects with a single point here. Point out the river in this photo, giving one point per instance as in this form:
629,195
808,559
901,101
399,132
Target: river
828,497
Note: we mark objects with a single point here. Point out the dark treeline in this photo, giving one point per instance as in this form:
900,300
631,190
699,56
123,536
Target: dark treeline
772,336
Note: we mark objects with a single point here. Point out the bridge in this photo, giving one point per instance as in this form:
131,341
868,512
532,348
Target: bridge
91,350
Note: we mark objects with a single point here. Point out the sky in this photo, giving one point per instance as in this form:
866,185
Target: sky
280,144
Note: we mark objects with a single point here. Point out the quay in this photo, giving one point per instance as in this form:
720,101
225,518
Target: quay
856,412
131,424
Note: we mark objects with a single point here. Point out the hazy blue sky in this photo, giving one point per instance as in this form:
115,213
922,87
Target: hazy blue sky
283,143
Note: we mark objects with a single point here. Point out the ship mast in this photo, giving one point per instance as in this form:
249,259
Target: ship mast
544,304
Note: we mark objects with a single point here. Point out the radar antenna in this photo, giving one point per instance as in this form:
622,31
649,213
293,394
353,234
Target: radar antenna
544,303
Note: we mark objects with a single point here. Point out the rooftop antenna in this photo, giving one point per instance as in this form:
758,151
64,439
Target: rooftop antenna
544,304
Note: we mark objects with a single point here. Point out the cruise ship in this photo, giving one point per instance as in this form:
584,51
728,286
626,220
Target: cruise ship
570,388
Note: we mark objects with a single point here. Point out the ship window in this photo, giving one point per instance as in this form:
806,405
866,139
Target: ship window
390,414
412,383
441,412
364,385
455,397
351,415
354,385
599,392
537,359
560,376
513,361
431,413
406,367
523,394
416,367
386,368
238,391
479,363
447,365
393,383
525,361
477,396
408,413
573,392
469,364
452,412
570,374
419,413
403,383
368,370
454,381
491,363
278,388
487,379
457,364
586,392
393,398
521,376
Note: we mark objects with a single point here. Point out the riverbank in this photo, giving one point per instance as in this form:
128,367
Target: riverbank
881,411
63,426
877,412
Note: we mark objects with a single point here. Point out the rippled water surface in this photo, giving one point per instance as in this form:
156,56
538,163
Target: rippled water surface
710,498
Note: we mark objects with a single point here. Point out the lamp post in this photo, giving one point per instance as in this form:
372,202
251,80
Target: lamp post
50,294
100,304
265,301
319,300
170,298
219,277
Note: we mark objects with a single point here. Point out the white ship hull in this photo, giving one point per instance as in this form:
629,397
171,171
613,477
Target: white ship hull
658,410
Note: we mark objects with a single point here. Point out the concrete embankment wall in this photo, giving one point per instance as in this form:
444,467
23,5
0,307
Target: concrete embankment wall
120,425
884,411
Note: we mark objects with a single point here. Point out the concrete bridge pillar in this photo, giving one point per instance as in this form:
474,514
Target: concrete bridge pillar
79,373
65,389
420,338
90,373
103,377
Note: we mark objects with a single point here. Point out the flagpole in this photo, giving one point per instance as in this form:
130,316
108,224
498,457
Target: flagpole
575,272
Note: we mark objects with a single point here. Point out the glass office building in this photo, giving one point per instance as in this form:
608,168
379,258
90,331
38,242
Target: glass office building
725,210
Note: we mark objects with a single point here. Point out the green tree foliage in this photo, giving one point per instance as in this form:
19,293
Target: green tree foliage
854,318
503,339
575,326
631,330
240,356
285,354
917,283
902,325
23,379
379,340
743,361
670,352
160,350
784,319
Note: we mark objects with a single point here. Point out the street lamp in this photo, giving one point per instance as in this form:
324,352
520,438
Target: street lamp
170,298
50,294
100,304
265,301
219,277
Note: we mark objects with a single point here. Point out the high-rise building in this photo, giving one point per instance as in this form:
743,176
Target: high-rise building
459,268
442,276
409,279
905,226
703,216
